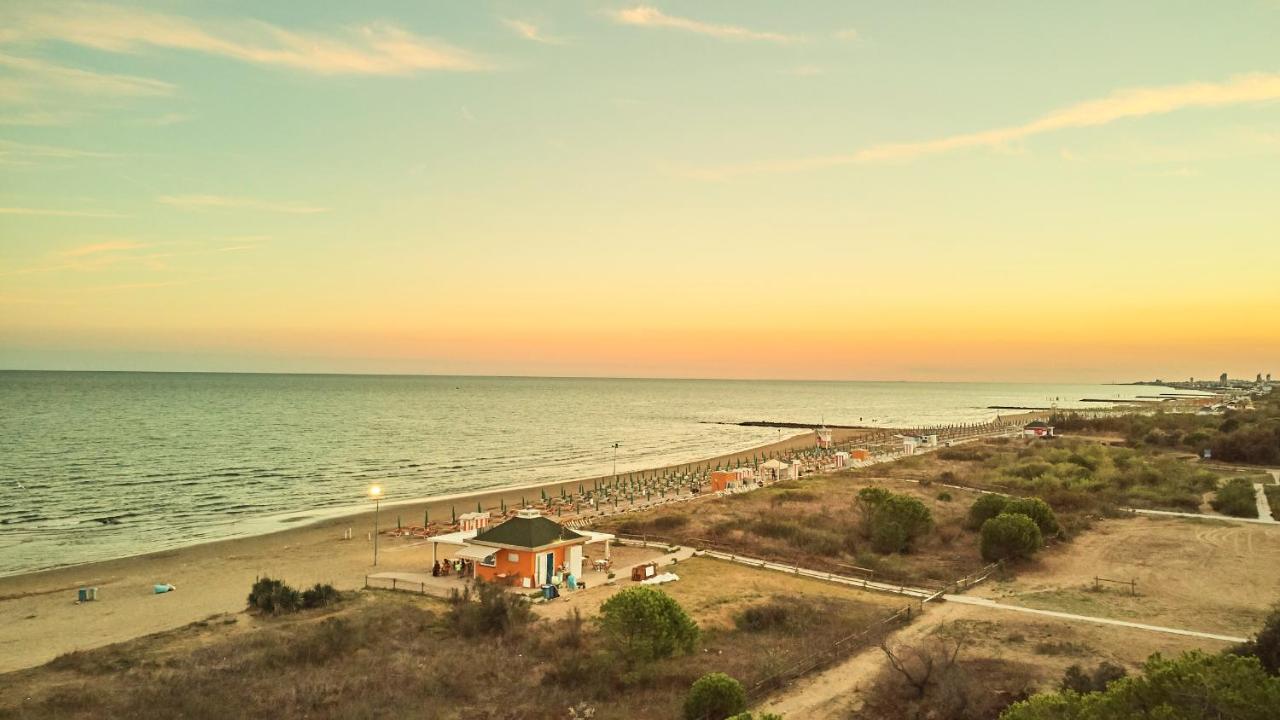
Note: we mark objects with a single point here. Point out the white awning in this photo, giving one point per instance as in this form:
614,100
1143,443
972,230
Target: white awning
454,538
595,537
477,552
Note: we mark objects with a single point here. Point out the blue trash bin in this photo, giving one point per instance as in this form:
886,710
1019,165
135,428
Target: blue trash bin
548,592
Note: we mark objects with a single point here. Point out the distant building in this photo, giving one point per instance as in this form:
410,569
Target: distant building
1222,378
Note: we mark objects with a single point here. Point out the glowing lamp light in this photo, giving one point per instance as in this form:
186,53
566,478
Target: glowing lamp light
375,491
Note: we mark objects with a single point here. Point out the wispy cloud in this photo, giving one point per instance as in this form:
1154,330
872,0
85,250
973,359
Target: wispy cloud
102,247
372,49
645,16
530,31
222,202
848,34
54,212
1120,105
33,76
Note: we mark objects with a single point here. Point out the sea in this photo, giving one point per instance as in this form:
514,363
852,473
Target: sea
101,465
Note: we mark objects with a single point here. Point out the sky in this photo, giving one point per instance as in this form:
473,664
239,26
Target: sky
1081,191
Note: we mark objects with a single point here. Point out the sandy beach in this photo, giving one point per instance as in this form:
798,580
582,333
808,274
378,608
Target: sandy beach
42,620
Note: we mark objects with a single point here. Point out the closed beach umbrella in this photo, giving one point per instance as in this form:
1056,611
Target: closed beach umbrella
453,513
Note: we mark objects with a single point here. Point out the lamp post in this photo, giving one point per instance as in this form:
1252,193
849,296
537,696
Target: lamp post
375,492
615,463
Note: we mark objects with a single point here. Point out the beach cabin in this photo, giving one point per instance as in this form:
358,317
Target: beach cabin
840,459
473,521
861,454
776,470
736,479
1037,429
909,444
528,550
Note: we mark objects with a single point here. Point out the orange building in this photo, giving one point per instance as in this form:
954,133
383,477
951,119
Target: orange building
528,550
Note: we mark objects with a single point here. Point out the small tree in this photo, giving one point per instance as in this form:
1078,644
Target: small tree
1266,644
714,696
1076,679
273,596
985,508
487,609
644,624
868,500
1038,510
897,521
1010,537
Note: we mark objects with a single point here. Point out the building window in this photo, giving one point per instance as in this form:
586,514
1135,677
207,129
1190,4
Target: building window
489,560
513,557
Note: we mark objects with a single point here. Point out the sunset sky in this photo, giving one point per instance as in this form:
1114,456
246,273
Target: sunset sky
733,188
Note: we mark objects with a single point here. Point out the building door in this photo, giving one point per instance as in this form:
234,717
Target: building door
551,565
575,560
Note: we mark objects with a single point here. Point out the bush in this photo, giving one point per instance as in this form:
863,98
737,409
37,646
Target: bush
769,616
1076,679
1036,509
487,609
714,696
273,596
1191,687
643,624
984,508
897,521
1010,537
320,595
1236,498
1265,646
944,496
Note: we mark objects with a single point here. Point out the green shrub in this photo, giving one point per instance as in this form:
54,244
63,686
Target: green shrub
1010,537
768,616
1036,509
1076,679
984,508
487,609
1192,687
1265,646
714,696
944,496
1236,498
897,521
320,595
273,596
643,624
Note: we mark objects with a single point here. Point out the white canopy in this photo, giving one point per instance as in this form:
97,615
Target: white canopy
774,464
476,552
595,537
454,538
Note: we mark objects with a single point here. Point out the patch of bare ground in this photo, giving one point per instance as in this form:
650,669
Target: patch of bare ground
1205,575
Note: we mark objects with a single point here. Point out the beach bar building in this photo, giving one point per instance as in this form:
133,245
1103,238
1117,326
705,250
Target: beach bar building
735,479
528,550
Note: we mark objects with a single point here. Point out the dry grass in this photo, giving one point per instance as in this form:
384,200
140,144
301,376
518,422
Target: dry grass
813,522
380,652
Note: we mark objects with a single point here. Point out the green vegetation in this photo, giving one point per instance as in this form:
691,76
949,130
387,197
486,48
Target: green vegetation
274,597
1236,497
767,616
892,521
1077,680
644,624
984,508
1010,537
1036,509
1265,646
1077,476
487,609
714,696
1250,436
1191,687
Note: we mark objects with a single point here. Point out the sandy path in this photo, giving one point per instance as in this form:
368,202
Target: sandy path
1264,507
1071,617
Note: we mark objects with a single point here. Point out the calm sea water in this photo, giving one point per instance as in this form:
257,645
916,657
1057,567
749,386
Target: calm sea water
104,465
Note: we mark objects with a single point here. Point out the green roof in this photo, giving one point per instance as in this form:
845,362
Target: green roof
526,532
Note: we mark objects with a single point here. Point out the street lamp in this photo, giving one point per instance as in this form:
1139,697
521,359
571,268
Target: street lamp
615,464
375,492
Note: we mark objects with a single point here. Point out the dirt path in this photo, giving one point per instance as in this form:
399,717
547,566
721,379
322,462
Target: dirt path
1071,617
828,694
1264,507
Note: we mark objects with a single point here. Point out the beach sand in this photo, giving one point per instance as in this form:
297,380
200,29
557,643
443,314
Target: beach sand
41,619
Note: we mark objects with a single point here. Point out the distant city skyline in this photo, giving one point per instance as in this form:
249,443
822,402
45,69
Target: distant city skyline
610,189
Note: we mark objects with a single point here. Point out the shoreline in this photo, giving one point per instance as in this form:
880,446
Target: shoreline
213,577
